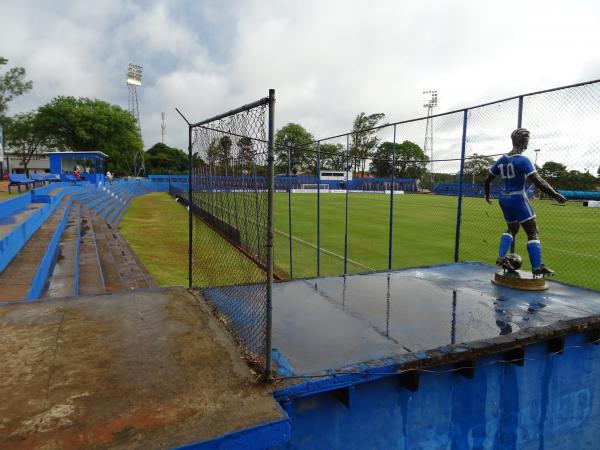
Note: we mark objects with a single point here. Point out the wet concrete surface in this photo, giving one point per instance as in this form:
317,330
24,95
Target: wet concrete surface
15,280
143,369
61,282
91,280
335,322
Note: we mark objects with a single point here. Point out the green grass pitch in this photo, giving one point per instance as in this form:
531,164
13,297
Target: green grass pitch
424,228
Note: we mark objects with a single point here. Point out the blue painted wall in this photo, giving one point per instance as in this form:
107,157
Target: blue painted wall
551,402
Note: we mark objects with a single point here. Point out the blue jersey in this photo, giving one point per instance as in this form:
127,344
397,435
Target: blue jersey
514,171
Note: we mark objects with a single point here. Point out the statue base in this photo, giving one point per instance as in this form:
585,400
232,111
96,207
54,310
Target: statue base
519,279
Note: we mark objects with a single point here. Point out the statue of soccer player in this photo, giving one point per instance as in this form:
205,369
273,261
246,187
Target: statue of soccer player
515,169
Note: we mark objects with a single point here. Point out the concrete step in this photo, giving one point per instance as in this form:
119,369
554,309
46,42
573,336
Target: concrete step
113,206
16,280
111,273
121,212
104,197
92,198
91,278
63,280
114,249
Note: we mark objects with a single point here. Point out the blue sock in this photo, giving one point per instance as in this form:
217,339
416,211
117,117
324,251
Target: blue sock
505,242
534,248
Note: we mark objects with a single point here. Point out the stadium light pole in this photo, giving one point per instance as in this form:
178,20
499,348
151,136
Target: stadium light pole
134,80
430,101
537,150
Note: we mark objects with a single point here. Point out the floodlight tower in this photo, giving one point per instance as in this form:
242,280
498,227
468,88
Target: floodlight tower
430,101
134,79
163,127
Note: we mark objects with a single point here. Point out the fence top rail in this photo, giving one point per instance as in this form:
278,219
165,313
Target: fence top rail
385,125
261,102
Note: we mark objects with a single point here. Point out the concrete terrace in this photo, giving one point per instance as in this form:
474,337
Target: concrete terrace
62,240
94,355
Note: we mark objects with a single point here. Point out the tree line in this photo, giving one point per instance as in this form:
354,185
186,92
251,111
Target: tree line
366,152
477,167
78,124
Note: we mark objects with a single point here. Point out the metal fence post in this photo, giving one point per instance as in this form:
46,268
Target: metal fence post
347,168
190,168
520,112
318,208
391,233
289,174
460,187
270,191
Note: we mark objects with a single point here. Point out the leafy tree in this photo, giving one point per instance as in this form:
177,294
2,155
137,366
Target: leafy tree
219,154
477,168
78,124
12,84
23,137
410,160
553,172
245,153
224,156
364,139
333,156
300,143
578,181
162,159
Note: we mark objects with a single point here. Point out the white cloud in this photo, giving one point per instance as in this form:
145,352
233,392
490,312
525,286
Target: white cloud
327,60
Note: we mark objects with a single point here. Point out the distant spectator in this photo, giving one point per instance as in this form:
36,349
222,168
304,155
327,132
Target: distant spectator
109,176
76,173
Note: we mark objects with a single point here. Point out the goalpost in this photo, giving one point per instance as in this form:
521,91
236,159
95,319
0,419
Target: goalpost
323,187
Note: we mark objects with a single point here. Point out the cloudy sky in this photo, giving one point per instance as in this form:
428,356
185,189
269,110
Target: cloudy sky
327,60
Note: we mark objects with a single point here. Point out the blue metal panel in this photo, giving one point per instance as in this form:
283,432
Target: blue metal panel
551,402
55,164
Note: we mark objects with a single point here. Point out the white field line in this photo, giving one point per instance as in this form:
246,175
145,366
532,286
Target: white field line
328,252
571,252
302,241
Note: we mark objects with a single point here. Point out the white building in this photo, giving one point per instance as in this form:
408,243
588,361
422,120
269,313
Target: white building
13,164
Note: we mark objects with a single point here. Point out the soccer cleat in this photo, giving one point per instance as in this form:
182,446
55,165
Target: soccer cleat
542,271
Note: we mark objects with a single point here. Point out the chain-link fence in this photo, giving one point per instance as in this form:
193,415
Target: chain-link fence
231,191
408,201
400,195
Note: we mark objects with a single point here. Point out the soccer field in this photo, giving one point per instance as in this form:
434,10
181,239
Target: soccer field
423,233
424,228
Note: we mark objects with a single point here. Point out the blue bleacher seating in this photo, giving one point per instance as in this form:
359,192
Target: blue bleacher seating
52,177
41,179
19,179
72,179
